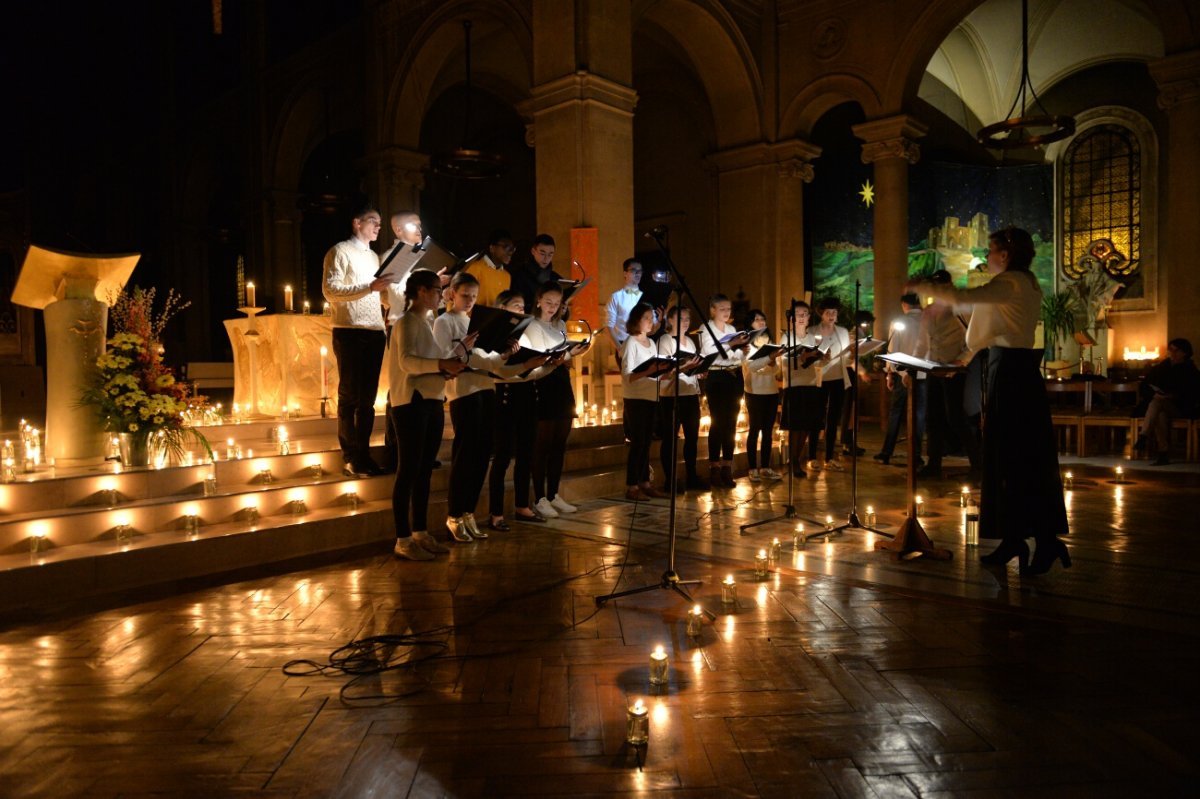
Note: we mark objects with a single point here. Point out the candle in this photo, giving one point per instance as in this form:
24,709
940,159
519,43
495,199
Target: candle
760,565
728,591
210,484
658,666
1068,480
250,295
229,449
324,355
829,522
37,541
1120,472
352,499
285,445
637,725
307,307
124,529
695,621
299,502
972,523
774,553
10,471
920,505
287,298
325,309
964,496
191,519
798,538
870,516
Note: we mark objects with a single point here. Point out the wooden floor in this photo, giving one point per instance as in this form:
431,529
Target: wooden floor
844,674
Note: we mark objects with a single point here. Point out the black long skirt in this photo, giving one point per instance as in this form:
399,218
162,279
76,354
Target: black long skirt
1022,488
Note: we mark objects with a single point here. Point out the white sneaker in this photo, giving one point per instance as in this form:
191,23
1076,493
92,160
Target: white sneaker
473,526
561,505
814,465
544,507
430,544
411,550
754,478
770,474
835,465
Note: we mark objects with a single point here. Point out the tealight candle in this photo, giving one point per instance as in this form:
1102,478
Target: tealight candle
265,476
1069,480
352,499
123,528
637,724
229,449
37,541
972,523
307,307
964,496
285,444
920,505
658,666
210,484
870,516
774,553
315,468
9,472
695,621
191,519
760,565
1120,472
798,537
728,591
325,309
829,522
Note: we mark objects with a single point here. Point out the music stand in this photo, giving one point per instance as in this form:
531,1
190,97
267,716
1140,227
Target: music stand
911,540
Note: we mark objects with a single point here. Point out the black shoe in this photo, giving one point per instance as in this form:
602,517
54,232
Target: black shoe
499,526
1044,556
536,518
350,470
930,472
371,468
1161,460
1006,552
884,459
855,451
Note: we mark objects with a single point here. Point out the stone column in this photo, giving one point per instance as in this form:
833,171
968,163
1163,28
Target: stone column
891,147
1178,79
761,190
399,178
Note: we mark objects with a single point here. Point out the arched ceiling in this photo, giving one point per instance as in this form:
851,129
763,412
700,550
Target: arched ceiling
980,61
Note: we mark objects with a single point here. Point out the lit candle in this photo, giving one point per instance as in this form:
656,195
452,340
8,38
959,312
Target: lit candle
829,522
229,451
774,553
250,295
314,466
920,505
1120,472
265,476
637,724
728,591
658,666
695,621
352,499
798,538
307,307
191,518
964,496
324,379
37,541
299,502
285,445
10,471
870,516
210,484
972,523
123,528
287,298
325,309
1068,480
760,565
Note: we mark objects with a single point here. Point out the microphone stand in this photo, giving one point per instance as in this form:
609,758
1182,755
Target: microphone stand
852,520
789,510
670,579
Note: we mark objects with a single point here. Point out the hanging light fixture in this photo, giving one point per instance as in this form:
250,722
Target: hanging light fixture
1026,129
465,162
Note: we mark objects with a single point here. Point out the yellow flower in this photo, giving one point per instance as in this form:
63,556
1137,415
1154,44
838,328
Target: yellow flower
158,420
164,380
133,428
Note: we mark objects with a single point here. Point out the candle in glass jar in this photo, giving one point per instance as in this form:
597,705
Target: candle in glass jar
250,296
695,621
307,307
798,537
1120,473
774,553
1069,480
870,516
637,724
287,299
964,496
728,590
920,502
760,565
658,666
828,522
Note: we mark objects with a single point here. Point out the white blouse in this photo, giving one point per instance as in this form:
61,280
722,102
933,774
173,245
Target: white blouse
448,330
1006,309
708,347
834,343
689,385
633,354
760,373
801,376
412,360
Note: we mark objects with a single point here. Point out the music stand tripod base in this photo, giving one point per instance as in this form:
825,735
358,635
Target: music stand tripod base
911,541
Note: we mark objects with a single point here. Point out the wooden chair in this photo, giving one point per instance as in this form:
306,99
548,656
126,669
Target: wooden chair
1066,415
1114,417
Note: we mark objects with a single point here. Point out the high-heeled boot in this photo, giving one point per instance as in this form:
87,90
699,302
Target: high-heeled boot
1044,556
714,475
727,474
1008,549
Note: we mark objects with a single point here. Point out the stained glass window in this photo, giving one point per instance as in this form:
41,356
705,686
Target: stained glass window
1102,193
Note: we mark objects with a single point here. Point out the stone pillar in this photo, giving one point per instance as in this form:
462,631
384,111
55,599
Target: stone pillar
75,337
399,179
889,144
1178,79
581,112
761,190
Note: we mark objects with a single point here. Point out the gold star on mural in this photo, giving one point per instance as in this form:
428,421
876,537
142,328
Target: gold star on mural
867,193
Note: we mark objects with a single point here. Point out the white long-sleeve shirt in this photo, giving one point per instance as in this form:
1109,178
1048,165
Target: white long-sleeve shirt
412,360
1006,310
542,336
349,270
448,330
801,375
708,347
634,354
760,373
689,385
620,305
833,343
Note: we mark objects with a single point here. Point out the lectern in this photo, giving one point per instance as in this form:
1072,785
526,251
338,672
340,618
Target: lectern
912,541
73,290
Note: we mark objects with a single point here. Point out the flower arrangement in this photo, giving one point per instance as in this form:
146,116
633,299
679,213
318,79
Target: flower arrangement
132,390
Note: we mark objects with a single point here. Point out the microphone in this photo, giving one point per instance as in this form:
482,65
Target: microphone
658,232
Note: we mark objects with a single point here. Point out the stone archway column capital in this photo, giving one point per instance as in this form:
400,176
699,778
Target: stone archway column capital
581,87
399,166
1178,78
893,137
791,158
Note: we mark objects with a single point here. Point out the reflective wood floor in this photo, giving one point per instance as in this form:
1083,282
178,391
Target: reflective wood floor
845,673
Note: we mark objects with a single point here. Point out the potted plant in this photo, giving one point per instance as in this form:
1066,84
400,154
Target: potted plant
135,394
1058,320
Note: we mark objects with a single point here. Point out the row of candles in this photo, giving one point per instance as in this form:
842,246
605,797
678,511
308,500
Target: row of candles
288,300
30,453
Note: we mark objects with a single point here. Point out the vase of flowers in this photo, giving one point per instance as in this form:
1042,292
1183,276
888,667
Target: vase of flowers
135,394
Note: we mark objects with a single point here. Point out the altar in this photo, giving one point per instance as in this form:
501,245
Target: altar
286,361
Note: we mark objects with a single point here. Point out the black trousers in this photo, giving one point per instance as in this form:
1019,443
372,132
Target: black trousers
419,426
688,417
761,409
898,414
471,450
1022,493
639,428
549,452
724,389
359,355
835,396
514,430
946,415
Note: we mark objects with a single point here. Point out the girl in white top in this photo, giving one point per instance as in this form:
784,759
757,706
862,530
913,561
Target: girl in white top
640,392
418,369
723,389
682,404
803,397
832,376
762,399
